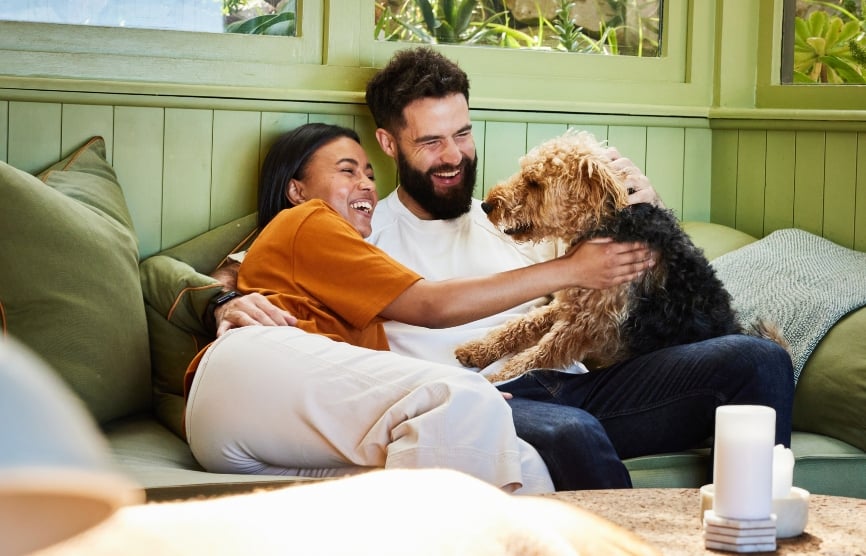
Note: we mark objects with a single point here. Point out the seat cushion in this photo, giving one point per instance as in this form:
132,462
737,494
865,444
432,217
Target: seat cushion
69,288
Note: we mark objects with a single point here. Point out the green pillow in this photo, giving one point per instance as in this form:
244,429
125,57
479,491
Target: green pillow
69,286
831,392
177,291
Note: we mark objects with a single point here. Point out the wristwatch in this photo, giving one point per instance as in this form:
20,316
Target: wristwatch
221,298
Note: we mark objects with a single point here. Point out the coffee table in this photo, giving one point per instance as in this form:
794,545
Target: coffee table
669,519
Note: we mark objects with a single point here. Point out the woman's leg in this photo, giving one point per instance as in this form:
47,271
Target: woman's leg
266,399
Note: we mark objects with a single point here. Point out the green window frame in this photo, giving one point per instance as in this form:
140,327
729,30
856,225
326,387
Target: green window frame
837,101
558,81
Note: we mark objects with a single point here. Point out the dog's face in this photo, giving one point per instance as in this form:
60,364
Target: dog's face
564,189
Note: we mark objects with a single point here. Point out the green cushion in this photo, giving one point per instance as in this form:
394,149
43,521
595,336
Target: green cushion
831,393
69,288
176,292
716,239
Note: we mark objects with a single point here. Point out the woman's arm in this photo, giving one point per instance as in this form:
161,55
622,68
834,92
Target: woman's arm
596,264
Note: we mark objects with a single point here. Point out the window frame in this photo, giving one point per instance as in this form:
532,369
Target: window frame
557,81
771,93
334,56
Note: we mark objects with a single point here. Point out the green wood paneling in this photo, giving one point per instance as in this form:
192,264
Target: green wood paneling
186,174
779,176
187,169
235,165
35,127
860,195
665,149
537,134
839,195
4,129
630,141
723,208
809,181
275,124
479,131
80,122
138,159
697,174
751,159
504,144
598,130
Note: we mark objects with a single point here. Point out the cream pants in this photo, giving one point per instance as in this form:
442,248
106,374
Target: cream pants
277,400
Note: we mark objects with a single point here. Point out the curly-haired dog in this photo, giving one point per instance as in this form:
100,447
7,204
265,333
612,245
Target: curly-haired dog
566,190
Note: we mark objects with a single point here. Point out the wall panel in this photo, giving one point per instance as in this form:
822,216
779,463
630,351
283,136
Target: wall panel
4,129
80,122
138,160
35,127
234,165
779,176
186,174
809,181
187,169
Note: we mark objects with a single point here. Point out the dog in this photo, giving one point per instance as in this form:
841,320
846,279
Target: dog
567,191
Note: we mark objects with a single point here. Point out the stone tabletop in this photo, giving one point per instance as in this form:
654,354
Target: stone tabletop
669,519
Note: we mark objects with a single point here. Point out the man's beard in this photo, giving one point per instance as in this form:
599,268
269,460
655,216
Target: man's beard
419,185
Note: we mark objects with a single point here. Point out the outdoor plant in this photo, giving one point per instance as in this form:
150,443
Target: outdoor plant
828,48
489,22
281,22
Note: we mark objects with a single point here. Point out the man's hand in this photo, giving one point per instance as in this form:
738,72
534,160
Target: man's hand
638,185
250,310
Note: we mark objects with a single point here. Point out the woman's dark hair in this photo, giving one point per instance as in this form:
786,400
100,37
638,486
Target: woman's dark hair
287,159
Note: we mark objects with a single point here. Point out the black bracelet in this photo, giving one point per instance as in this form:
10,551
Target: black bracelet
221,298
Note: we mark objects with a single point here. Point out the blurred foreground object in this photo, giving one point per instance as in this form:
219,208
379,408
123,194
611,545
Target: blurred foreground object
56,478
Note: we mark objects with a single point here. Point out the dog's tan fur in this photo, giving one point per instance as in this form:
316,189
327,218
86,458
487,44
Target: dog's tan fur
579,324
568,191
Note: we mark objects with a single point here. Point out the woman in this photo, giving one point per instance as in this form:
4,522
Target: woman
296,412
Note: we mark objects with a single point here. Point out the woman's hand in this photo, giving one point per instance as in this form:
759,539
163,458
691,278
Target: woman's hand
252,309
603,263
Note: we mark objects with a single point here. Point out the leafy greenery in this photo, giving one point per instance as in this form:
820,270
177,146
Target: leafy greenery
830,47
282,21
490,22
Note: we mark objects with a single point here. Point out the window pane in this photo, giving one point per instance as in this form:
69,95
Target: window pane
269,17
825,42
623,27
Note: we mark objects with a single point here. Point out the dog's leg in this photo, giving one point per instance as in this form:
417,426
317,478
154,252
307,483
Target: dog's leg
516,335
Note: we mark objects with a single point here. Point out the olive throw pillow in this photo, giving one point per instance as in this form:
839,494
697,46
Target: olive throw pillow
69,282
177,291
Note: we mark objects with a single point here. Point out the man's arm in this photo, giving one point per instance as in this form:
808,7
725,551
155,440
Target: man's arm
245,310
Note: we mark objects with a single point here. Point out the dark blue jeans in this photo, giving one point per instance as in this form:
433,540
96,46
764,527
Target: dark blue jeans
661,402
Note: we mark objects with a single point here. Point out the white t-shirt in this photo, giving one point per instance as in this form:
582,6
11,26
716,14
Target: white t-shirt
441,249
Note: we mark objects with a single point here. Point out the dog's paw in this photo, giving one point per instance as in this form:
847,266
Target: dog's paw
471,354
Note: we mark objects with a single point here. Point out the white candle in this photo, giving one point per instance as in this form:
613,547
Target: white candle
743,461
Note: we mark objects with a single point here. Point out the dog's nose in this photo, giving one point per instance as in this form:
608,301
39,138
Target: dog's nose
486,207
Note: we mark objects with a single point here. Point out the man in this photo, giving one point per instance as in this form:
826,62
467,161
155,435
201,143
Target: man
582,424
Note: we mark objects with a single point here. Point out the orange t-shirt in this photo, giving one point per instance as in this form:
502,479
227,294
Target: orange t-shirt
311,262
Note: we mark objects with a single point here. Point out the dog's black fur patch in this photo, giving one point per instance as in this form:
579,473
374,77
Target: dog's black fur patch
688,305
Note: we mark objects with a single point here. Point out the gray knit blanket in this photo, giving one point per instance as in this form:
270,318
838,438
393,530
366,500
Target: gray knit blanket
802,282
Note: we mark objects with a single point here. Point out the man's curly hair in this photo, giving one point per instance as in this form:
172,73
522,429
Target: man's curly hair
411,75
